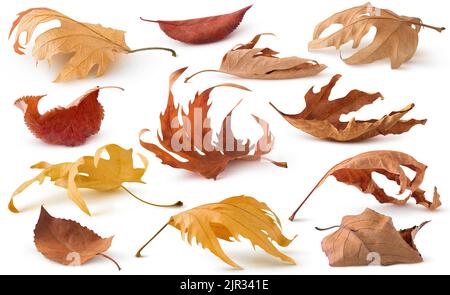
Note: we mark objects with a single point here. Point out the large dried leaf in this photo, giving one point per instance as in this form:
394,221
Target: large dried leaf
246,61
69,126
370,238
358,171
202,30
88,45
321,117
396,38
229,219
195,144
89,172
66,241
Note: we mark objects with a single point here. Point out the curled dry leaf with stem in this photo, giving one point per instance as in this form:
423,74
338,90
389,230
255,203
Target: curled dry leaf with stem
246,61
67,242
202,30
396,38
69,126
227,220
321,117
91,172
370,238
358,171
88,45
192,139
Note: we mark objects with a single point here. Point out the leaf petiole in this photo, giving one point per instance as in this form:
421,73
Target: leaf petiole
177,204
138,253
111,259
174,53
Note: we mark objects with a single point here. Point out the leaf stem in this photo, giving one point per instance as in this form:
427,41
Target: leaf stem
328,228
138,253
174,53
111,259
306,199
279,164
177,204
204,71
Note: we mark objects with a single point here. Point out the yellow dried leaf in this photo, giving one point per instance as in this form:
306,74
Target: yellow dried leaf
227,220
92,172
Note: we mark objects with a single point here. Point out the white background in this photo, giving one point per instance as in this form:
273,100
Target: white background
423,80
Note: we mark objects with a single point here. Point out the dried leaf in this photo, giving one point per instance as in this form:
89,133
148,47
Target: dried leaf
245,61
195,143
202,30
396,38
69,126
321,117
370,238
227,220
67,242
358,170
89,172
87,44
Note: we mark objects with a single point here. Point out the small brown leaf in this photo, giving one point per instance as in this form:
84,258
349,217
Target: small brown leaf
321,117
195,143
357,171
67,242
245,61
397,36
370,238
202,30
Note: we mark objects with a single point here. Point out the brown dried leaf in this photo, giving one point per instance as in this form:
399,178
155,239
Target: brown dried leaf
321,117
67,242
370,238
196,146
357,171
245,61
397,36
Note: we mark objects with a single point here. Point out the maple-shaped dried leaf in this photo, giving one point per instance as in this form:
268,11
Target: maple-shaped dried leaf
370,238
88,45
227,220
67,242
246,61
91,172
195,143
358,170
321,117
69,126
397,37
202,30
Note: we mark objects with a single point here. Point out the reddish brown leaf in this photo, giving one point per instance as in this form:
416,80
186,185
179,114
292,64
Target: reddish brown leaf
321,117
67,242
202,30
195,143
358,170
69,126
370,238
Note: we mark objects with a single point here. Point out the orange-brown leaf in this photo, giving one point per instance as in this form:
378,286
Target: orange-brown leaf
196,146
357,171
321,117
66,241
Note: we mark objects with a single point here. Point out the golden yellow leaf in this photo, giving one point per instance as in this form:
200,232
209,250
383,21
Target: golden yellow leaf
227,220
92,172
89,45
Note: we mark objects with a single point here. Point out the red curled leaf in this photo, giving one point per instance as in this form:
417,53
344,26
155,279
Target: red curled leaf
202,30
69,126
